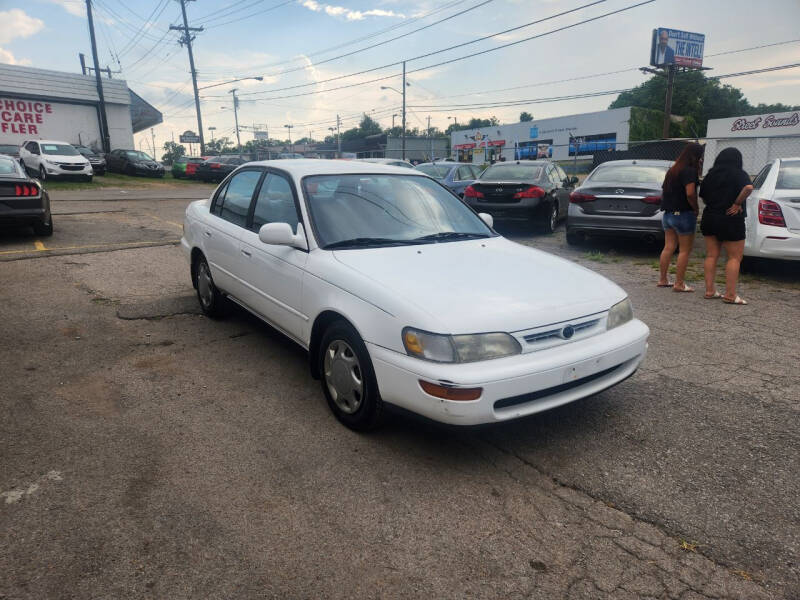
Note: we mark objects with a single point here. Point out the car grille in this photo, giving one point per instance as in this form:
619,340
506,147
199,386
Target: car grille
561,333
70,167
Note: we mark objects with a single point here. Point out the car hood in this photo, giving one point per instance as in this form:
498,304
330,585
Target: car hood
70,160
479,285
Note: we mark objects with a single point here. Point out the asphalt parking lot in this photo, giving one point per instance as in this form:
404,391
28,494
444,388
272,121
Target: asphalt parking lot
150,452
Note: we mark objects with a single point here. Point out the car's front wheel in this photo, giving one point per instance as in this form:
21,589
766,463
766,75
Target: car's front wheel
212,302
348,379
42,174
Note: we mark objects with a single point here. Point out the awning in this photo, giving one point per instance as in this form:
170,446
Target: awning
143,114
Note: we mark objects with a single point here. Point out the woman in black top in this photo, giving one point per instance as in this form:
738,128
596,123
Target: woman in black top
724,191
679,203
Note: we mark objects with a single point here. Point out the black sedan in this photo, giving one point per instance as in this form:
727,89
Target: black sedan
217,168
98,162
536,190
22,199
133,162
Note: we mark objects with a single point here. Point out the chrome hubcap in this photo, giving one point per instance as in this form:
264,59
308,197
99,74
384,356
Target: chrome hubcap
205,287
553,217
343,376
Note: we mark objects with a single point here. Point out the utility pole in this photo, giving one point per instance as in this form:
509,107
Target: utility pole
339,135
404,110
82,58
212,129
236,117
153,137
430,135
668,103
103,118
187,39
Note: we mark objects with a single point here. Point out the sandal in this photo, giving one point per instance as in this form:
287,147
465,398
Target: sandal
685,288
737,300
713,296
668,284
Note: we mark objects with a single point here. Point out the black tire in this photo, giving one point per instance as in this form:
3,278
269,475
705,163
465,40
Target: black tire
212,302
44,228
42,174
574,239
131,170
548,217
366,409
88,179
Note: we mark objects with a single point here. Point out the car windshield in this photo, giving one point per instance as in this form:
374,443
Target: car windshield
438,171
789,175
87,152
385,210
8,149
629,174
512,172
211,159
8,166
59,149
137,155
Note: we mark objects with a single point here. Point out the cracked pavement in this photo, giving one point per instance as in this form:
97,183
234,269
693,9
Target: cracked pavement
197,458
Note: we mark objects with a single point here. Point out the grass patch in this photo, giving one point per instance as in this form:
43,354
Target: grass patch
596,256
118,180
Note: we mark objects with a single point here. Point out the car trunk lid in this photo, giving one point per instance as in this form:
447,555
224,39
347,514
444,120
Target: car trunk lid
501,191
622,200
789,201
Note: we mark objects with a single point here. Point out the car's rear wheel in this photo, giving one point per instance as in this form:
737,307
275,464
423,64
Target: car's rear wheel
44,228
348,378
212,302
548,217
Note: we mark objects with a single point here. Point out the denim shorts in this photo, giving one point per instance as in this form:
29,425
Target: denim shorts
683,223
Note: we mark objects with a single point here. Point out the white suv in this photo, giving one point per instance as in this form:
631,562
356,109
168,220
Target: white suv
47,158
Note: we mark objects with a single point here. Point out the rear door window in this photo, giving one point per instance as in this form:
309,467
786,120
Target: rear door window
761,177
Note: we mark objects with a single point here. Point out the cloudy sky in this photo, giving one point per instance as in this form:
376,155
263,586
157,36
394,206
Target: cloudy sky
296,46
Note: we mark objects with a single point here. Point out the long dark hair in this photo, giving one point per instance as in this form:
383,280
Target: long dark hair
729,158
689,157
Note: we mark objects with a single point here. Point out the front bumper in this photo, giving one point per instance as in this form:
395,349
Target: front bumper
61,171
516,386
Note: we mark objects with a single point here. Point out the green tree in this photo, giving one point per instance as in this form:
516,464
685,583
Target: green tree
525,116
369,126
172,151
695,97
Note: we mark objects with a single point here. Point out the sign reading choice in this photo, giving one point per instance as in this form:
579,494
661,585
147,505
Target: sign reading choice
23,116
189,137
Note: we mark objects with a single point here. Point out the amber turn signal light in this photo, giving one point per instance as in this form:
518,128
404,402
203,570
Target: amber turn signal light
450,393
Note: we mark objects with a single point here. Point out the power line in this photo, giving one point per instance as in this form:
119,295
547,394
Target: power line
561,14
133,41
271,8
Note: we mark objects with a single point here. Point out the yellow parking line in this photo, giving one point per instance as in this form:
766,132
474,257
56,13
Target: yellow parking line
173,223
39,245
87,247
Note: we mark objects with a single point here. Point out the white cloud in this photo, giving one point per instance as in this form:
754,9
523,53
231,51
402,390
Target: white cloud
74,8
350,15
8,58
18,24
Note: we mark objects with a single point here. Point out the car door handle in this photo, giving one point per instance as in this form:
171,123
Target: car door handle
246,253
207,233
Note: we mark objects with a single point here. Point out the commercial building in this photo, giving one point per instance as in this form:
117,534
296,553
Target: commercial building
42,104
418,148
760,138
559,138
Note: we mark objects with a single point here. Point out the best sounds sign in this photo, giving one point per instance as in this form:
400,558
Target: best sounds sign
23,117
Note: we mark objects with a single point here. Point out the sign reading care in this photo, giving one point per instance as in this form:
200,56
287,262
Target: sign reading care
23,116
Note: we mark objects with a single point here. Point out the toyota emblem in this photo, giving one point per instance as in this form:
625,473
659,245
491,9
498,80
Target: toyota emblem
567,332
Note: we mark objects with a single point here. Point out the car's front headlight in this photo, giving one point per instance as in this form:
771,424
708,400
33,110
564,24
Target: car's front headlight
458,348
620,313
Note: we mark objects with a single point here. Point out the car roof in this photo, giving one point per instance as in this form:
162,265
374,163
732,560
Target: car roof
639,162
302,167
51,142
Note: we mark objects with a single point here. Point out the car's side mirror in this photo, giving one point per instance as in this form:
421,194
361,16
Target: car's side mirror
487,218
280,234
571,180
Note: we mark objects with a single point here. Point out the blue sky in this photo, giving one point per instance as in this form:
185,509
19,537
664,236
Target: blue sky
269,37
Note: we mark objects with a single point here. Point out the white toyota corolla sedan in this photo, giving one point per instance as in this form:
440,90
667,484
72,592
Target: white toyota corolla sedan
404,296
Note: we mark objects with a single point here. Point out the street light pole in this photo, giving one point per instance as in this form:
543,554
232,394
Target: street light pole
404,110
289,129
236,117
212,129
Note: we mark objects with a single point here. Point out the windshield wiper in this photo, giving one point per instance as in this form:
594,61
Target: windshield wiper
368,242
452,235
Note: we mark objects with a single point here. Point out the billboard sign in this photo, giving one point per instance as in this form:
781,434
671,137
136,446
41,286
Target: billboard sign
189,137
675,47
260,135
